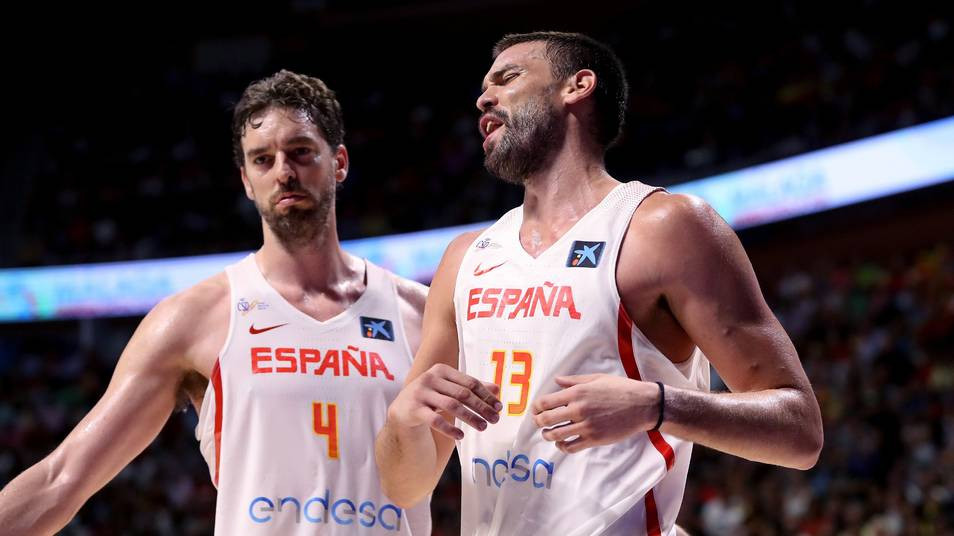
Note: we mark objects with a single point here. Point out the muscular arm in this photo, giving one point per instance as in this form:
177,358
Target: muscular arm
139,399
685,280
771,415
413,447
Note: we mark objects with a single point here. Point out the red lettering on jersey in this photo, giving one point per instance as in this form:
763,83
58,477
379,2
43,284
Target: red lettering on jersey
524,304
472,300
545,300
352,361
308,355
286,355
511,296
349,360
565,300
330,362
489,298
377,365
258,355
544,303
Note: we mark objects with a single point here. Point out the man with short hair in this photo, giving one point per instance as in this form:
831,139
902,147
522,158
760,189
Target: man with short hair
575,334
291,355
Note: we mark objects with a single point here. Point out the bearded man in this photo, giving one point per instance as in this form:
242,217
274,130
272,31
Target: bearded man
575,334
290,356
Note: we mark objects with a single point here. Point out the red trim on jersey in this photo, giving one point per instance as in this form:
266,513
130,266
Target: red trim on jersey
624,329
652,516
663,447
217,387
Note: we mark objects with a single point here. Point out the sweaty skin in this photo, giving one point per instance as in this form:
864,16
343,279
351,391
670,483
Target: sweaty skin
176,344
684,280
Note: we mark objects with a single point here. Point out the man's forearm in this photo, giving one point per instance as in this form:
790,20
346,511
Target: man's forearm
777,426
38,502
407,463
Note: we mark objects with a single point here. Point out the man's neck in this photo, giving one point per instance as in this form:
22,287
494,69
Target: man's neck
566,189
316,266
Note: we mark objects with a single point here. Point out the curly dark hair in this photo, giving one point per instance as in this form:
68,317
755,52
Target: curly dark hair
570,52
286,89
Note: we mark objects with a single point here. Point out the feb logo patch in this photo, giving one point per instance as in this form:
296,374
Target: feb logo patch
245,307
376,328
585,254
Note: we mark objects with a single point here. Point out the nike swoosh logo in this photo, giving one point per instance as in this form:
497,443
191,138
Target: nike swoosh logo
253,331
478,271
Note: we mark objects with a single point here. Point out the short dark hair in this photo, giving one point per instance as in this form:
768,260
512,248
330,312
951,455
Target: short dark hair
286,89
570,52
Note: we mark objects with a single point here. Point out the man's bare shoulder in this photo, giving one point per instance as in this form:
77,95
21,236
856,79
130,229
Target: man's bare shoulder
677,227
445,278
414,294
669,235
454,255
666,214
410,292
196,301
460,243
182,333
183,317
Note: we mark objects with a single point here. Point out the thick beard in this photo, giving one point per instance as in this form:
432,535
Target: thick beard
298,227
531,137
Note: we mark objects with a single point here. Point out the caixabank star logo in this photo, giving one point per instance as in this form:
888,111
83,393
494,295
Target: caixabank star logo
585,254
377,328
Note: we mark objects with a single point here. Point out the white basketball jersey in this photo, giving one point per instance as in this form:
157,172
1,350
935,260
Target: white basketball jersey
292,410
523,321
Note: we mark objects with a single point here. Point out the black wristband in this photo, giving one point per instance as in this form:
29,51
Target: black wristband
662,406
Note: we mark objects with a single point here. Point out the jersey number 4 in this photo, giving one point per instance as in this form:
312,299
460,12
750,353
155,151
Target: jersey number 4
325,423
522,379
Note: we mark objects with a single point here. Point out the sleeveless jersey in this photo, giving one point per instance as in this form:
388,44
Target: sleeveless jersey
293,406
523,321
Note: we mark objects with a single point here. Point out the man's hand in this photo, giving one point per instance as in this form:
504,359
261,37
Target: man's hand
444,391
596,409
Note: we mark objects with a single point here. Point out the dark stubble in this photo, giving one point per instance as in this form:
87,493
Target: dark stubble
297,226
532,135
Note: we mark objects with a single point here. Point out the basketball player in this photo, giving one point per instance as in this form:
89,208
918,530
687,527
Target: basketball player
291,355
585,321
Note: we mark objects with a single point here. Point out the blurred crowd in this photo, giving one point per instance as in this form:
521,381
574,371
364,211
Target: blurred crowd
138,164
877,341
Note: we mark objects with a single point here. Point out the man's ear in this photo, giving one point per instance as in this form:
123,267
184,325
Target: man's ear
341,163
579,86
